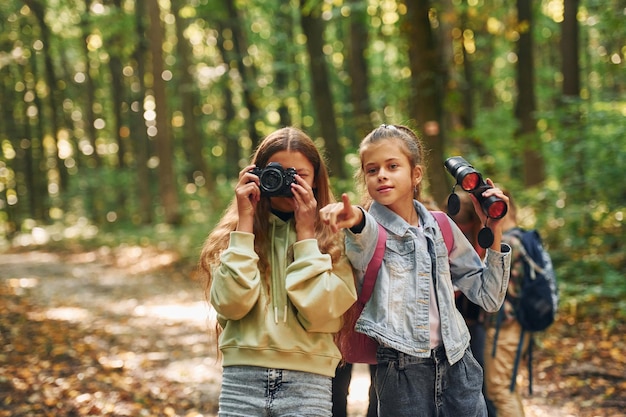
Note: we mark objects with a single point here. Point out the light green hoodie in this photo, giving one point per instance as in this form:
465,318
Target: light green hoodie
292,325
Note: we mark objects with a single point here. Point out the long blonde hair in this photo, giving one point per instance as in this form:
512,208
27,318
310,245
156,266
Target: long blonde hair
284,139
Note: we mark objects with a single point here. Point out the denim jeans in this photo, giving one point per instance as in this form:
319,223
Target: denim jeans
429,387
250,391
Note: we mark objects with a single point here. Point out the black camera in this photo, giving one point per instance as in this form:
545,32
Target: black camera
472,181
275,181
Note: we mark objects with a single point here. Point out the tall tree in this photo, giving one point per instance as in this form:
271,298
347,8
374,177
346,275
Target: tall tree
283,59
570,65
427,83
357,68
142,143
570,102
162,136
235,23
92,200
34,131
90,88
525,107
313,28
192,135
115,45
50,78
230,135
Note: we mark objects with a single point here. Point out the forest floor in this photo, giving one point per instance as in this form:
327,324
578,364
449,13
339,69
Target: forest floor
128,333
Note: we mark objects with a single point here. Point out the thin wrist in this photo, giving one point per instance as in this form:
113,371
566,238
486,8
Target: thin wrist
245,225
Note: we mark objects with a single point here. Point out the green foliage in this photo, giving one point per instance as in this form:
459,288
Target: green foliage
579,209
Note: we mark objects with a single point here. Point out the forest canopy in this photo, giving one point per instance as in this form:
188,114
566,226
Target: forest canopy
135,116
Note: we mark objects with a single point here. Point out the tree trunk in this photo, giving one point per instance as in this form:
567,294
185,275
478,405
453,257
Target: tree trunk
570,100
90,91
427,83
569,49
247,73
313,28
534,170
142,143
230,135
357,68
467,89
92,199
192,135
39,168
117,88
162,137
51,80
283,60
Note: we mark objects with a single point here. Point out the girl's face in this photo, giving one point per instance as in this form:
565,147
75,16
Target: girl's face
389,177
304,169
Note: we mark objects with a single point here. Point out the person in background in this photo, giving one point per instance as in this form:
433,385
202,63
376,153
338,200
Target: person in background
424,364
278,278
499,367
470,224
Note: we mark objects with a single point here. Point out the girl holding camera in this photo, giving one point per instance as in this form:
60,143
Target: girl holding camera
280,283
425,366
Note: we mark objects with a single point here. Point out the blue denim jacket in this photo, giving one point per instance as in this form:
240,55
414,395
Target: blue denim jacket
397,313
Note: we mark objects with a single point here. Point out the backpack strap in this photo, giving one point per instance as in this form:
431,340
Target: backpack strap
446,229
371,273
534,268
518,355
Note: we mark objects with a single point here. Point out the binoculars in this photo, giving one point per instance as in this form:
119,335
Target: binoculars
472,181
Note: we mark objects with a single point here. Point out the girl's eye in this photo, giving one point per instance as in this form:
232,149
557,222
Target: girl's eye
393,166
371,170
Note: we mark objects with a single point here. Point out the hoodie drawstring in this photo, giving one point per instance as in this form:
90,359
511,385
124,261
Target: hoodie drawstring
279,293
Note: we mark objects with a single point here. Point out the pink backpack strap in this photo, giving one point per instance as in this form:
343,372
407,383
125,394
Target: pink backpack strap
446,229
371,273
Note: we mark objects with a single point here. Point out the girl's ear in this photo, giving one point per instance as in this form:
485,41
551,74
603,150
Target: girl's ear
417,175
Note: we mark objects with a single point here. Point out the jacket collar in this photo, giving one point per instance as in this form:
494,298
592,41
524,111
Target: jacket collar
396,224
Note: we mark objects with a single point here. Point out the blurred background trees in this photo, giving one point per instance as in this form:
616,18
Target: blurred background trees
135,116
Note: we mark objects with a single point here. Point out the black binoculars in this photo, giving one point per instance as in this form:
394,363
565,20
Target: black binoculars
472,181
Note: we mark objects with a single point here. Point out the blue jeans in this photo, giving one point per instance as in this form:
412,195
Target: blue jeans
249,391
409,386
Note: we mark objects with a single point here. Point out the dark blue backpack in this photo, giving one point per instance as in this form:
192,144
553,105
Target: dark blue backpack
538,301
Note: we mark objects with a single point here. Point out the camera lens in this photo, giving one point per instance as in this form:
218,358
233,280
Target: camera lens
271,179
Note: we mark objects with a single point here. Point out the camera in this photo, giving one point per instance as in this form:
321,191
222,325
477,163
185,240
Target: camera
472,181
274,180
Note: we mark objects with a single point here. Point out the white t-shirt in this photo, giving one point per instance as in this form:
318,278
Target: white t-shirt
433,308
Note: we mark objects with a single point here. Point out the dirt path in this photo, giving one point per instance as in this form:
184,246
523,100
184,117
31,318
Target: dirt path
126,334
101,334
